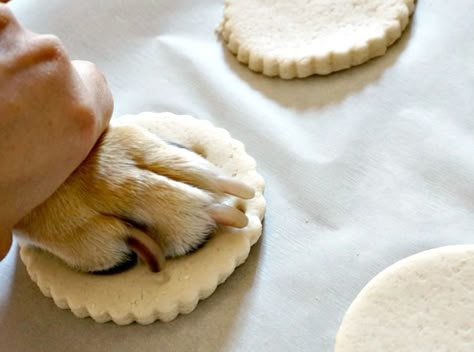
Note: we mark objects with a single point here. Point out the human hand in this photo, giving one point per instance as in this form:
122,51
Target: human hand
52,111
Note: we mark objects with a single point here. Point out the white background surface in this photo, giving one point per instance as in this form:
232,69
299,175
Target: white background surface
363,168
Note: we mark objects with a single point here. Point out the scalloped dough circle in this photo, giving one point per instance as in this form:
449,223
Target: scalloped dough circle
139,295
299,38
422,303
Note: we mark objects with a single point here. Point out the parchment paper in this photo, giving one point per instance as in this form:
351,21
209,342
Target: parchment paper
362,168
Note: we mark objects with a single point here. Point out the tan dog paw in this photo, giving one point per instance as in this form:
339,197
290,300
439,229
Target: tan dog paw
135,193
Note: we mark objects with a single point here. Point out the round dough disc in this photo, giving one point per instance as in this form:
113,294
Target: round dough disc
137,294
422,303
298,38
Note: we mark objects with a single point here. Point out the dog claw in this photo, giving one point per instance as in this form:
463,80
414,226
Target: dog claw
234,187
147,249
228,216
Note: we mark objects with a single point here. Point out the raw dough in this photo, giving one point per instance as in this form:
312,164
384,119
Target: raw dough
422,303
139,295
298,38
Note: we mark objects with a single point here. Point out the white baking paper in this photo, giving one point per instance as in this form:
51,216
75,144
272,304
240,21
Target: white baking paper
363,168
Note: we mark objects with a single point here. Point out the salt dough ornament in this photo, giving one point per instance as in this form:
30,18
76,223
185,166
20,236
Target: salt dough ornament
139,295
422,303
299,38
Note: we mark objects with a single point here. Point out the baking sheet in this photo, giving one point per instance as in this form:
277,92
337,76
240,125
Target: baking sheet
363,167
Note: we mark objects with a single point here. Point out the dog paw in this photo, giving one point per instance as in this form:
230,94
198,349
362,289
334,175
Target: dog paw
135,194
138,182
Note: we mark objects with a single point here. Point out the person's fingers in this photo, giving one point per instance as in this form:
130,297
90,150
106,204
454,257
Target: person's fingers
100,94
5,243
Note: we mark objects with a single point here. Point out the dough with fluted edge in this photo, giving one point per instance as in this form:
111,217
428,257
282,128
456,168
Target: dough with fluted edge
299,38
139,295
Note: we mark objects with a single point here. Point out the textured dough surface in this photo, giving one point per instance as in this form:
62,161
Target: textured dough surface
139,295
298,38
422,303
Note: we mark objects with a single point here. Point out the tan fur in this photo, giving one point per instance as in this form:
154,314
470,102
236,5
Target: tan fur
131,178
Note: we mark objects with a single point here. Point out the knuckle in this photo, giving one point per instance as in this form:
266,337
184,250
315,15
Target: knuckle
49,47
37,50
87,124
6,17
86,120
